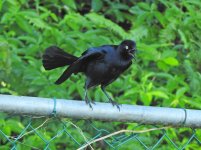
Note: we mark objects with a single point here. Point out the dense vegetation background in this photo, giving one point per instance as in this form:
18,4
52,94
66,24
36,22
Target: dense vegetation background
165,73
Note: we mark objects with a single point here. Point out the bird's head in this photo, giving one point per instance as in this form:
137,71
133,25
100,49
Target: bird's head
127,48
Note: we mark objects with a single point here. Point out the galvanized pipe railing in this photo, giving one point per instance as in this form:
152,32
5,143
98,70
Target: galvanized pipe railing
101,111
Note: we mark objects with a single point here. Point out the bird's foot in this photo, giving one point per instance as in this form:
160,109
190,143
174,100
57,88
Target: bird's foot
88,102
115,104
93,102
90,105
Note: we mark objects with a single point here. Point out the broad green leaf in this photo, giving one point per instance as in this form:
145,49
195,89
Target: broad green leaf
15,126
160,18
145,6
23,24
6,18
54,17
7,130
180,92
146,98
159,94
38,23
171,61
162,65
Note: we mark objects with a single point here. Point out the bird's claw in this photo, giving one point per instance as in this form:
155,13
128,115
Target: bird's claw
115,104
93,102
89,103
90,106
118,107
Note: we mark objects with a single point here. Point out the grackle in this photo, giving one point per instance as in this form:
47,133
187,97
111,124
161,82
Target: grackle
101,65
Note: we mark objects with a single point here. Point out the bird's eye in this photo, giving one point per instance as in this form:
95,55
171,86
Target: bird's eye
126,47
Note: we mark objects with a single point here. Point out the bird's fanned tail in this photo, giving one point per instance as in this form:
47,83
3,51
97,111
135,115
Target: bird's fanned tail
55,57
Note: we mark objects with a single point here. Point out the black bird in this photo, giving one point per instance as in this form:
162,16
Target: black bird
101,65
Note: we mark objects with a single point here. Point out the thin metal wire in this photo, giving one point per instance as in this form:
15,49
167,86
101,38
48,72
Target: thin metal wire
74,138
54,112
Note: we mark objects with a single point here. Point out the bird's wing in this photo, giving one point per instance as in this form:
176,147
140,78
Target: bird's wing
78,64
95,49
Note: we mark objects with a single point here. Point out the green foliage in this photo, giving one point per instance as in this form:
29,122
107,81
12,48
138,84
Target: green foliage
167,70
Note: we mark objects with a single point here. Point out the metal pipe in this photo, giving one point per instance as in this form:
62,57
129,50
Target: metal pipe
101,111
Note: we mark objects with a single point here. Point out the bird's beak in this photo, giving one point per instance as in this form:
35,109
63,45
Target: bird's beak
132,52
132,55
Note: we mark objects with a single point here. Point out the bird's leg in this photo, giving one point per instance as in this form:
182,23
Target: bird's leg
88,102
110,99
93,102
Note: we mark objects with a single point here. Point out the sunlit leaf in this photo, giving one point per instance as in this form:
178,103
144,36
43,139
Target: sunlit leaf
171,61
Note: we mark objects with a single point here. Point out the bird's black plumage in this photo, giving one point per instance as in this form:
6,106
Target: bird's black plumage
101,65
